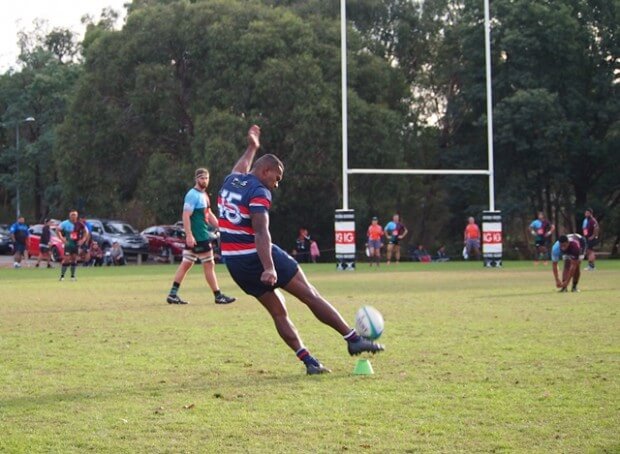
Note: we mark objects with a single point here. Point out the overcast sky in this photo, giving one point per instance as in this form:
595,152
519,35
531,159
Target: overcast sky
18,15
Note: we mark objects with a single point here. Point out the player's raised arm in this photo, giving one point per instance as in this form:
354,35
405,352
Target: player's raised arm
244,163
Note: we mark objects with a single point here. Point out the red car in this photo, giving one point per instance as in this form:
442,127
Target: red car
165,240
57,247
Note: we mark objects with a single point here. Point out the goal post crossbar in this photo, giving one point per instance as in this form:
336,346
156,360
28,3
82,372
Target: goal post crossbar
419,171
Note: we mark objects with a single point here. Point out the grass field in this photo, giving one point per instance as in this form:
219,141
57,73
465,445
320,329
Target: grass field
476,360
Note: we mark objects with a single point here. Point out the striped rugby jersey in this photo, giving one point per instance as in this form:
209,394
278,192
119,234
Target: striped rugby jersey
241,194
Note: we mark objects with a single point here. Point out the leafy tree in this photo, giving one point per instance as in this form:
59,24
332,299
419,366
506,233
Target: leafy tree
181,82
40,90
554,95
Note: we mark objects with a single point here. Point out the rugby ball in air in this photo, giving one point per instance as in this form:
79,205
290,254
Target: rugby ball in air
369,322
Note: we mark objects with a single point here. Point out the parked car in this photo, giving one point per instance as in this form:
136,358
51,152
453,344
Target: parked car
165,240
107,231
57,247
6,243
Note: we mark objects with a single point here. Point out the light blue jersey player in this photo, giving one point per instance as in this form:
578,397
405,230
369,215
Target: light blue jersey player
197,218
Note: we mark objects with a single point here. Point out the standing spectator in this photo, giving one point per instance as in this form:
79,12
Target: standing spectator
96,254
44,244
315,252
394,232
117,256
302,246
260,267
590,231
374,234
197,216
73,234
21,237
542,230
471,238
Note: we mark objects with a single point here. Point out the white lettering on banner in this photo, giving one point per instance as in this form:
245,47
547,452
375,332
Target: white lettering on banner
492,237
345,237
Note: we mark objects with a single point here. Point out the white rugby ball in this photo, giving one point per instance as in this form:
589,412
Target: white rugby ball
369,322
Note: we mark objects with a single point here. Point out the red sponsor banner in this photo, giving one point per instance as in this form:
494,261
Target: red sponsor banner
345,237
492,237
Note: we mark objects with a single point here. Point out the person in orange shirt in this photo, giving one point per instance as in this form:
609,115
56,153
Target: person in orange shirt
472,238
374,234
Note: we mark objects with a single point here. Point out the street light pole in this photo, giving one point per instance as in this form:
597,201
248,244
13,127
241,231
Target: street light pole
17,194
17,199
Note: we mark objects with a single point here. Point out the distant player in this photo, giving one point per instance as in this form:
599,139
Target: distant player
260,267
570,248
198,223
542,230
20,236
471,238
44,244
73,234
394,232
85,248
590,231
374,235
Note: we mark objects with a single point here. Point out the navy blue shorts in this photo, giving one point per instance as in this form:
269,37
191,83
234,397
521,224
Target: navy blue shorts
246,271
591,244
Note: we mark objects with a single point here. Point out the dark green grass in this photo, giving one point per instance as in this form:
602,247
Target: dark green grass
477,360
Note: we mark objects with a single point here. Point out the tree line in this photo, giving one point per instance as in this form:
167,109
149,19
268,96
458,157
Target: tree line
125,115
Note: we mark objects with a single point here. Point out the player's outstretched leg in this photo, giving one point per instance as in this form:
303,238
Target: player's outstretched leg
363,345
325,312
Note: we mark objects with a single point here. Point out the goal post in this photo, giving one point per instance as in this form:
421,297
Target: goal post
491,218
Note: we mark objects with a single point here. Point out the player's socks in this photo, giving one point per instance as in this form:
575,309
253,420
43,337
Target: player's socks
352,336
174,289
304,355
313,365
63,270
73,266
